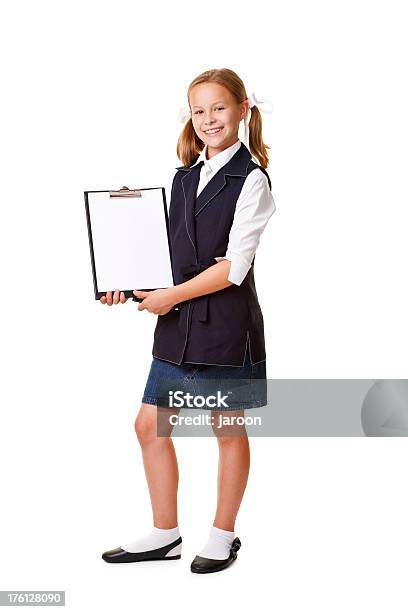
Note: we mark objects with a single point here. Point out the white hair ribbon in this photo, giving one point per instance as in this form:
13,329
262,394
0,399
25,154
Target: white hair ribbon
265,106
184,114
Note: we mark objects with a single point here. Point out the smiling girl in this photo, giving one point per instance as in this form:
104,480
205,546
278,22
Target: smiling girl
209,324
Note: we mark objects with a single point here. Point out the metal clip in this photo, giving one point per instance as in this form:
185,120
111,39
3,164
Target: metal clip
125,192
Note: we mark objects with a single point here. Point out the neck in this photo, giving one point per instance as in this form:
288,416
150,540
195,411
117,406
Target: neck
211,151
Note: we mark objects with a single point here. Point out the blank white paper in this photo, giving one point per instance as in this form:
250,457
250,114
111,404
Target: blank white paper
130,241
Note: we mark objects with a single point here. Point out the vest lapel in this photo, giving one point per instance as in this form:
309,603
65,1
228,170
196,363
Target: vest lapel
213,188
189,184
237,166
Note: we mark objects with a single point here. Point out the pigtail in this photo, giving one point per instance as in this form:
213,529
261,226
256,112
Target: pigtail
189,146
256,144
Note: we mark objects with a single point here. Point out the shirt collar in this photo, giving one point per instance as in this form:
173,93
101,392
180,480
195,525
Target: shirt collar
220,159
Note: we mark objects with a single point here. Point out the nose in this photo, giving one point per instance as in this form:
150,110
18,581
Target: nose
208,119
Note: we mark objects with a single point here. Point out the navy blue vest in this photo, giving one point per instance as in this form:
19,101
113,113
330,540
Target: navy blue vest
213,329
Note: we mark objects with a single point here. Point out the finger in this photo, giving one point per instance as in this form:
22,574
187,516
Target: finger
109,298
123,299
103,299
116,297
140,294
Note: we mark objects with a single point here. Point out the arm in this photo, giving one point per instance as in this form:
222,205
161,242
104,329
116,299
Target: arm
208,281
255,206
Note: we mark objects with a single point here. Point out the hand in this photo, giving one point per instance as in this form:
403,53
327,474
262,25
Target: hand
159,302
107,299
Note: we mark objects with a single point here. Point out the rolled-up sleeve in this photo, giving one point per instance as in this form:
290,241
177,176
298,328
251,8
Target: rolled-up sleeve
255,205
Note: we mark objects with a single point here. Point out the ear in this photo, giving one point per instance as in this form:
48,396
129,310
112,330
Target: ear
244,108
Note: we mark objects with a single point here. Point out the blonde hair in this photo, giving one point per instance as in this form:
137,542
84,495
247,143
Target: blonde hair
189,146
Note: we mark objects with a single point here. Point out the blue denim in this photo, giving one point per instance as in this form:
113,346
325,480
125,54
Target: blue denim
245,386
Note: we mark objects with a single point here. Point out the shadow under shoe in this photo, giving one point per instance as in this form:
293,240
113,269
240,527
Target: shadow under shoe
118,555
202,565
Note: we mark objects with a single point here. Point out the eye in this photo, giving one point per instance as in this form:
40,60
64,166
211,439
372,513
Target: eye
219,108
196,112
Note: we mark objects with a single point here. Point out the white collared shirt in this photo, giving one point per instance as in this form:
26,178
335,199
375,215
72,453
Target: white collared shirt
255,205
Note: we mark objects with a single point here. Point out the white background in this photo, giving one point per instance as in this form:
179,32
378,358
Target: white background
90,97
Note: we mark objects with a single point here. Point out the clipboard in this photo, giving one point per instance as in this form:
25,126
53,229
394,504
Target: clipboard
129,242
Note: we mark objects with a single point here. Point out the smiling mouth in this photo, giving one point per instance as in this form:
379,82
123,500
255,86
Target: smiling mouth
212,131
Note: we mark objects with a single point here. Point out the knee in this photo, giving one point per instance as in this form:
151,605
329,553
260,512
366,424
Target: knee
231,439
146,428
228,428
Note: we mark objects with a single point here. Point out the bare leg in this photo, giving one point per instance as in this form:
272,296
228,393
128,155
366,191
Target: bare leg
160,464
233,470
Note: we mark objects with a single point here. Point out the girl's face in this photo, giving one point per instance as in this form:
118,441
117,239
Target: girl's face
216,116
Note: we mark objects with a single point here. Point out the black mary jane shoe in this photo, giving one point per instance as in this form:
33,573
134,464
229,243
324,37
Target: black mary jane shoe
202,565
118,555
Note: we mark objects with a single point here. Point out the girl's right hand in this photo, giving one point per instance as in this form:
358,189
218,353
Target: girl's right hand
107,299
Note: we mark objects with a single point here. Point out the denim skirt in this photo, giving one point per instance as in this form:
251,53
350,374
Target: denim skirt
206,387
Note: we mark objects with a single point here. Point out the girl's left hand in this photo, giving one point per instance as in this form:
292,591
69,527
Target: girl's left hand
159,301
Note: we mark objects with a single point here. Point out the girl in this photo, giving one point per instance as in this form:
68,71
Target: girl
209,324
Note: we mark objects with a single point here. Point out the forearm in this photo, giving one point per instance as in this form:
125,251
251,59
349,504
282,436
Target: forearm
210,280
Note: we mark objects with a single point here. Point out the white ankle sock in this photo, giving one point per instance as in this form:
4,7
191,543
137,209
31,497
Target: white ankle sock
218,545
155,539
